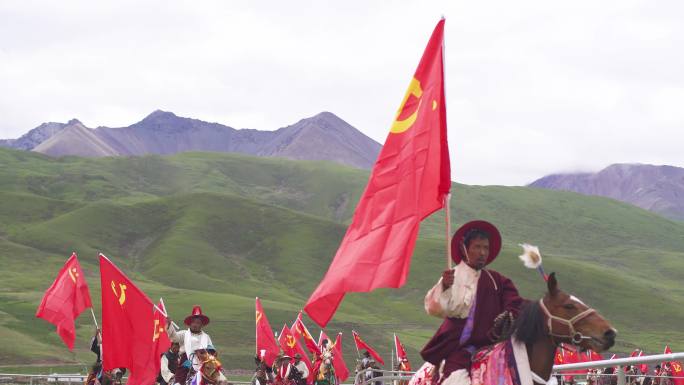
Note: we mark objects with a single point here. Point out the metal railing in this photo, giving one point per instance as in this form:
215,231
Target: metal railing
31,379
619,363
389,376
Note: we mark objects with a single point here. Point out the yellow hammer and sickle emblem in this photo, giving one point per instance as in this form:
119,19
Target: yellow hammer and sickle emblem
258,316
677,368
73,274
291,341
122,295
400,126
157,330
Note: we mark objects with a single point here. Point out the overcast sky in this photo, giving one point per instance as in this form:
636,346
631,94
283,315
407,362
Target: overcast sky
533,87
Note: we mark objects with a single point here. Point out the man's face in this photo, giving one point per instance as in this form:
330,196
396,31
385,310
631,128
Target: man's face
297,359
478,251
175,348
196,325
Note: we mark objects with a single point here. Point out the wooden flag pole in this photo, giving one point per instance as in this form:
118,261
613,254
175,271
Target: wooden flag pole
447,208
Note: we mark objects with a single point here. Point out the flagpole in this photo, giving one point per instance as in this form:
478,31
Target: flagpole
447,208
94,319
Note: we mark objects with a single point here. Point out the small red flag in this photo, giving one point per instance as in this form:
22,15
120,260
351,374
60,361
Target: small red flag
266,347
65,300
362,345
160,336
300,330
399,348
299,349
128,326
322,336
643,367
341,370
287,342
409,181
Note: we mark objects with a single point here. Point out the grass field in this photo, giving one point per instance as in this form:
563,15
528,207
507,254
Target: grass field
221,229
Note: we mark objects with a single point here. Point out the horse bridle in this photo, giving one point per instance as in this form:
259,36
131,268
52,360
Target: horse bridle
575,337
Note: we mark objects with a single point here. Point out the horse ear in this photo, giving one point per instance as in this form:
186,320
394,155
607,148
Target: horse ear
552,284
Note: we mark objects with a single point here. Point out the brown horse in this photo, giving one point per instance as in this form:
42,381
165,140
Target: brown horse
542,326
559,318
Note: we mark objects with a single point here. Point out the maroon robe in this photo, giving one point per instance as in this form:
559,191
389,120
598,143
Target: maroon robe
491,301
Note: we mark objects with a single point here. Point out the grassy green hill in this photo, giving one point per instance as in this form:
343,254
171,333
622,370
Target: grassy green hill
220,229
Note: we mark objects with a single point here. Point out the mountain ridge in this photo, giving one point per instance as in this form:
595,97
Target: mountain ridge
657,188
323,136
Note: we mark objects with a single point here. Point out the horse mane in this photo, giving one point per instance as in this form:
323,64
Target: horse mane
529,326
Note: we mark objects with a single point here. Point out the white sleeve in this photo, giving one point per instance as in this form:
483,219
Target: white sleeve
165,372
305,371
434,300
176,336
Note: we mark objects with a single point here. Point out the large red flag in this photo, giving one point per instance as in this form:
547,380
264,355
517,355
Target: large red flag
399,348
300,330
266,347
362,345
65,300
341,370
409,181
128,326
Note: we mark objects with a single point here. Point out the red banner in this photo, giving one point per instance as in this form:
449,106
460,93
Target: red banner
65,300
266,347
408,182
128,327
362,345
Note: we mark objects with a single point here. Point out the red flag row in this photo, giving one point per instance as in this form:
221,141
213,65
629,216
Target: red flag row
133,328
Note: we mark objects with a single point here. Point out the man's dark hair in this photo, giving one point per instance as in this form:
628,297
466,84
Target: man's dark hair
474,234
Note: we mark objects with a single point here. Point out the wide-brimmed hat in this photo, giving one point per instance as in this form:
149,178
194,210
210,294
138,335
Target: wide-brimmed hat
459,235
197,313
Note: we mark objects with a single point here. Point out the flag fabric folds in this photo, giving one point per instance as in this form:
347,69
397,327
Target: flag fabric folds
300,330
266,347
362,345
399,349
341,370
130,335
408,182
65,300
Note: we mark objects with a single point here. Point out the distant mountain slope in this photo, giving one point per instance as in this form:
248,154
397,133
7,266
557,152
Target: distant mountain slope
219,229
321,137
656,188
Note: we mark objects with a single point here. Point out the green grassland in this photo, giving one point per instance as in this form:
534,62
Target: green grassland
220,229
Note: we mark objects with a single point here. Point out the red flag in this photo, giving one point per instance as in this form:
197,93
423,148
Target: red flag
128,327
399,348
299,349
409,181
362,345
287,342
558,360
677,372
341,370
593,356
643,367
266,347
300,330
161,340
322,336
65,300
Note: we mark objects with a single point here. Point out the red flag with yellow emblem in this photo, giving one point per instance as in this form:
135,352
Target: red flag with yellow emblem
129,332
287,342
300,330
266,347
162,343
409,181
65,300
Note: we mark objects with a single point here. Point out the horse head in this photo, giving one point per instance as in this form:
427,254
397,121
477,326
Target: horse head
569,320
210,369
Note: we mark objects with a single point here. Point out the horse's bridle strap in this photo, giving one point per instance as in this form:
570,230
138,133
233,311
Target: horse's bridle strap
574,336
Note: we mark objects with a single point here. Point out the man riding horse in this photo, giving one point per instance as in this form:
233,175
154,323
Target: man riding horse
190,340
476,303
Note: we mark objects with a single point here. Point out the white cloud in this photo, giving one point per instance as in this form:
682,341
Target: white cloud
533,86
